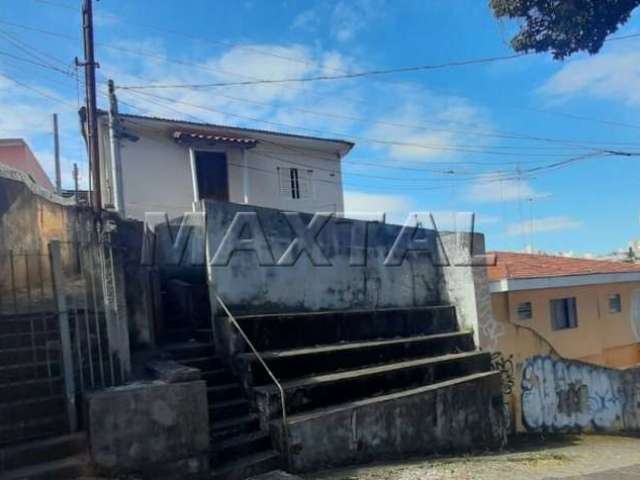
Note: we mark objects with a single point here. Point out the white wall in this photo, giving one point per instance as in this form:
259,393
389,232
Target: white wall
157,176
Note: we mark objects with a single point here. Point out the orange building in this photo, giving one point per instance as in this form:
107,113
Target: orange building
15,153
550,309
577,308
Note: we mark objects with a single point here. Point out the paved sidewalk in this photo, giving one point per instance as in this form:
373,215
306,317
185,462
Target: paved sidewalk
625,473
571,457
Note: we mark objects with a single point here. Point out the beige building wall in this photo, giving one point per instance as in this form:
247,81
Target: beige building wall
601,337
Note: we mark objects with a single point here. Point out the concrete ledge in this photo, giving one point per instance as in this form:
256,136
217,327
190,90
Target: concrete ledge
170,371
457,416
150,428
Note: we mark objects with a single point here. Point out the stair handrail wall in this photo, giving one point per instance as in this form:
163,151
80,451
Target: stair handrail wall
283,405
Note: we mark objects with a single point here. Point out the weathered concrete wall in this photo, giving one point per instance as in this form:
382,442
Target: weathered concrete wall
343,281
464,282
565,395
151,428
461,416
30,216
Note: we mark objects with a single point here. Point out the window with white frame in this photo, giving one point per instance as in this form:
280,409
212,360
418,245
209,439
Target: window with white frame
295,183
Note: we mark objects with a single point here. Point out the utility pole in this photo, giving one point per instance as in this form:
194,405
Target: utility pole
56,153
114,137
90,65
75,183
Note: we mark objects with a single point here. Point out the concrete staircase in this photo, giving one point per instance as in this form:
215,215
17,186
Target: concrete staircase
32,404
364,385
239,447
62,457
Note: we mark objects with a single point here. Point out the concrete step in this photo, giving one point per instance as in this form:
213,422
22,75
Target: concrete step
42,451
239,446
35,428
229,408
204,363
187,350
204,335
27,340
65,469
219,376
222,392
247,466
24,410
298,330
319,391
30,389
179,334
29,371
17,356
456,414
224,429
288,364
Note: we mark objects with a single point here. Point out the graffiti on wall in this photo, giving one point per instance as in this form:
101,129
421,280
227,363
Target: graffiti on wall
505,366
561,395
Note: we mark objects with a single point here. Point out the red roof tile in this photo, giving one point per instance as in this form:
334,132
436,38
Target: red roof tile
525,265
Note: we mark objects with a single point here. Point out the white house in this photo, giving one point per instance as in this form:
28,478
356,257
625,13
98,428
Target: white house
153,164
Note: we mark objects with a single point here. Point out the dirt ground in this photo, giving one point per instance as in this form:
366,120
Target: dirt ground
531,458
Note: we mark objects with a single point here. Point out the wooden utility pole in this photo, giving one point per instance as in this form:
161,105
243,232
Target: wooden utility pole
90,65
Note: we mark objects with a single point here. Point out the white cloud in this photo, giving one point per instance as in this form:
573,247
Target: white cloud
612,76
307,20
421,126
493,188
545,224
395,207
344,20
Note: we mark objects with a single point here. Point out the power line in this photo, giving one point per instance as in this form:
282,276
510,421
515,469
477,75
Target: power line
36,90
493,176
493,134
342,134
345,76
33,62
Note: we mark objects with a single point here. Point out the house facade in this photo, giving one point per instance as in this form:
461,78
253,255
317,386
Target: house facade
578,309
15,153
163,165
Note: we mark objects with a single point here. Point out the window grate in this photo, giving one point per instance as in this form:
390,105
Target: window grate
295,183
525,311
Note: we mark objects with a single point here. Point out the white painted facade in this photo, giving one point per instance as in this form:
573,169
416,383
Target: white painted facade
158,174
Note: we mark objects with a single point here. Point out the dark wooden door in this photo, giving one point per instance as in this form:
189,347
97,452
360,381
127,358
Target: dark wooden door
213,176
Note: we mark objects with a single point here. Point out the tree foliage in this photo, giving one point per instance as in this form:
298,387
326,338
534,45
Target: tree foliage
563,27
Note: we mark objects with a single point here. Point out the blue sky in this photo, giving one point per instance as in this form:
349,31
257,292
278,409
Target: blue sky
461,136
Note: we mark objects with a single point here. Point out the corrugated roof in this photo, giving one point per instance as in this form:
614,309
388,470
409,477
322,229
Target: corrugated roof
511,265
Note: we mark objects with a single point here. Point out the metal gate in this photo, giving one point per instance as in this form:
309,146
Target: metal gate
61,334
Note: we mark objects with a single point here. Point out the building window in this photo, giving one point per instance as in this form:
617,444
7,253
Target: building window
615,303
525,311
295,182
564,313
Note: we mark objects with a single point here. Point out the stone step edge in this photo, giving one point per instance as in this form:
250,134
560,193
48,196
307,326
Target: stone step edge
302,417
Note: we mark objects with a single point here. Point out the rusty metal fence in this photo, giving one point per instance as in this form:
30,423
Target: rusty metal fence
62,333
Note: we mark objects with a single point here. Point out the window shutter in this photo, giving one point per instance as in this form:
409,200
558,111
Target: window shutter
305,183
284,179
